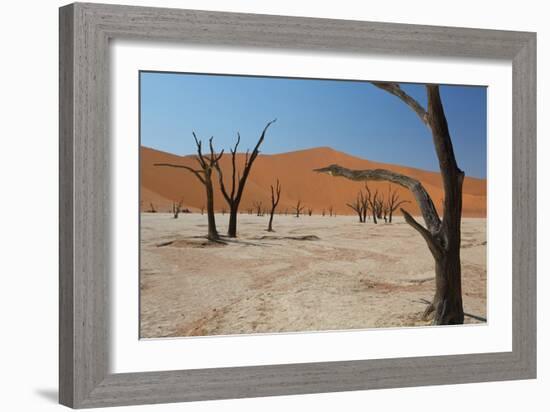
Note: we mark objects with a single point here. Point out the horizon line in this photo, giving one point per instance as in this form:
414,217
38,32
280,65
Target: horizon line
316,148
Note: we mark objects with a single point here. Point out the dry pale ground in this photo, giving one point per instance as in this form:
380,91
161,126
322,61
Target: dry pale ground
313,273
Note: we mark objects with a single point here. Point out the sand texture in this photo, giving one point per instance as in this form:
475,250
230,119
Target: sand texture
313,273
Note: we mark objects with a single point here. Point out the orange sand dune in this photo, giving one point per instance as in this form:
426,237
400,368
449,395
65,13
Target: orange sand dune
161,185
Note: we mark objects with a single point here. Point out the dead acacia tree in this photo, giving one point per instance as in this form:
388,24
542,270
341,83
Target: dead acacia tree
384,210
393,202
442,236
258,206
323,212
275,197
202,210
176,208
330,210
309,211
357,207
372,201
238,181
298,208
364,203
379,206
206,163
152,208
361,206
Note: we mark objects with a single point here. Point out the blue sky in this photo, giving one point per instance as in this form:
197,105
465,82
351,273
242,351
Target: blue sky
349,116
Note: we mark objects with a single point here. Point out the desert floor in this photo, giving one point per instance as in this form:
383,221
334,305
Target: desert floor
313,273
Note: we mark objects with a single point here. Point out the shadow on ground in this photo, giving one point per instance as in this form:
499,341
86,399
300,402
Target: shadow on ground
51,395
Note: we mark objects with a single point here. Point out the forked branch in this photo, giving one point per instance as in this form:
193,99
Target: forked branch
234,195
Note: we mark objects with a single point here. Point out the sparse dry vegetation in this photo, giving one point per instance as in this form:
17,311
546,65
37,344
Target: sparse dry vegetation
313,259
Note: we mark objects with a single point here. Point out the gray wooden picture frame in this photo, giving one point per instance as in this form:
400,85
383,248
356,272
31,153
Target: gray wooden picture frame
85,32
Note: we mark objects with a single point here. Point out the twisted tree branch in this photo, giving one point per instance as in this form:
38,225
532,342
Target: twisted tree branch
427,208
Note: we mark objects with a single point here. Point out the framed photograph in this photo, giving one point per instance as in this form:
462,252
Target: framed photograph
256,205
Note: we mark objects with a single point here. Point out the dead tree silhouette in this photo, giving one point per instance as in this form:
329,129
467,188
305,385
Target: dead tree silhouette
298,208
258,207
275,197
176,208
238,182
384,210
357,207
364,203
393,202
152,208
207,163
442,236
361,206
379,206
372,201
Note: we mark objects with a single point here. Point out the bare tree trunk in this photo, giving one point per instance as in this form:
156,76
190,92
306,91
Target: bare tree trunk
232,228
357,208
447,302
204,174
364,204
275,197
176,208
270,224
373,202
258,207
234,197
442,237
298,208
212,231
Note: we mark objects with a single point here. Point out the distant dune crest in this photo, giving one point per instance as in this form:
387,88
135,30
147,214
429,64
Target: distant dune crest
160,187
